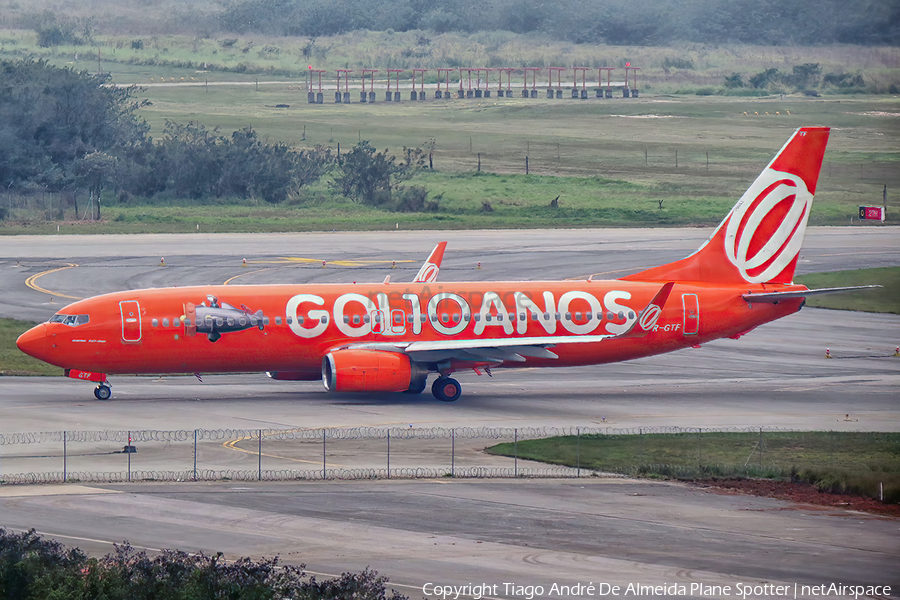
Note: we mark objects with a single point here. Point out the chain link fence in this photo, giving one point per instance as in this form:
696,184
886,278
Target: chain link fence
401,452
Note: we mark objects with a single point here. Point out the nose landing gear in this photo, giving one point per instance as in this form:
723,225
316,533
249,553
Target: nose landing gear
103,391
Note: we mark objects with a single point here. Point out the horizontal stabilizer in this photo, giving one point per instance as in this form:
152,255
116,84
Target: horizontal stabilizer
773,297
650,313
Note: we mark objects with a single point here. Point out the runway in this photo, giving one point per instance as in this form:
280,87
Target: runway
536,533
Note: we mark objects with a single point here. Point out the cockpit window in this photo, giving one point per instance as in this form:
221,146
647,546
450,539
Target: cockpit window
70,320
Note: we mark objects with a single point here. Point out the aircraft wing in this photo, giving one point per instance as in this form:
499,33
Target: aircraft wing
773,297
432,266
514,349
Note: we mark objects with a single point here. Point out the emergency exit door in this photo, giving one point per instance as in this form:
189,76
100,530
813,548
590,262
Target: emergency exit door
131,321
691,308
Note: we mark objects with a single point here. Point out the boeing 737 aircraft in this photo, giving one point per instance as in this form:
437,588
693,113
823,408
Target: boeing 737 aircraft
390,337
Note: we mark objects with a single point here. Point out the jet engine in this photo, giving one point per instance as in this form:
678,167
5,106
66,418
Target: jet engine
368,371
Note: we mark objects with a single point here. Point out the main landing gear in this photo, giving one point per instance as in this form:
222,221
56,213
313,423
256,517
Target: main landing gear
446,389
102,391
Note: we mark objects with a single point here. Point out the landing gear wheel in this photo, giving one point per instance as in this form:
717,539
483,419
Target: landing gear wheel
417,387
446,389
102,392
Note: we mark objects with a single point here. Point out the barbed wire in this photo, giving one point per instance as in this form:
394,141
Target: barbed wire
472,472
357,433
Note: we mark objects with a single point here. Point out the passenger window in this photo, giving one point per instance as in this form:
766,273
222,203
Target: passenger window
568,316
522,316
155,322
621,315
409,318
546,316
578,316
455,318
278,320
423,318
630,314
289,320
300,319
477,317
365,318
558,317
356,319
467,317
347,319
187,322
165,322
398,319
488,318
610,316
265,320
599,316
324,318
534,316
500,317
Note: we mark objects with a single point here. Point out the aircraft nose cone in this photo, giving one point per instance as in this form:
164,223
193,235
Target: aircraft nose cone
34,342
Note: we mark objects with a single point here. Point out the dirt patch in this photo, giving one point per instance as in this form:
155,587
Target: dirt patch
801,493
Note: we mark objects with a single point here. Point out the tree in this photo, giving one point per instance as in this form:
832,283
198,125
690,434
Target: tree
370,177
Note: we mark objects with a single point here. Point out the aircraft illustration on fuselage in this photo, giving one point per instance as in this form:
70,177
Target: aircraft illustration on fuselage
391,337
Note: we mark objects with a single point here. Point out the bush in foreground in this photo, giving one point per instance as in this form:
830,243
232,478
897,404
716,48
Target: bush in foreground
34,568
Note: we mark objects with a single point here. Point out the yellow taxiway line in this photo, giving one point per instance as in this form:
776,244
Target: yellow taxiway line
30,282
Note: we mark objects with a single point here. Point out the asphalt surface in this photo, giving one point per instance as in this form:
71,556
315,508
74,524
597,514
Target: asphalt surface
533,532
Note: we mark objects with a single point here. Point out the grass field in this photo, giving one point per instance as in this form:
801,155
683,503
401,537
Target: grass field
884,299
696,154
844,462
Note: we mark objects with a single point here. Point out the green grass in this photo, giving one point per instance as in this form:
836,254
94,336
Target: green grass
12,360
573,147
883,300
854,462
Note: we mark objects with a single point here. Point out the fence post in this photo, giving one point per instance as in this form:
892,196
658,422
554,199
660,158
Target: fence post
259,458
453,452
760,446
323,455
195,455
128,452
699,447
516,452
578,451
389,454
65,457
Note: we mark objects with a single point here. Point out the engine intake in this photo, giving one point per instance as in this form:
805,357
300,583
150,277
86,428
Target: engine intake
367,371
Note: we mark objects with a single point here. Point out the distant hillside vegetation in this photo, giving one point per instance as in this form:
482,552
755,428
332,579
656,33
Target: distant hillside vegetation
619,22
635,22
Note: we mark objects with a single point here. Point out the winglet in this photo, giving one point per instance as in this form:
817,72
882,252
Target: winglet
647,318
432,266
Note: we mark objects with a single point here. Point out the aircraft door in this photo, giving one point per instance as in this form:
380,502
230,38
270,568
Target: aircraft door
131,321
691,308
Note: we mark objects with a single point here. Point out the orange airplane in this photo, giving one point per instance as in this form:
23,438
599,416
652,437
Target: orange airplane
390,337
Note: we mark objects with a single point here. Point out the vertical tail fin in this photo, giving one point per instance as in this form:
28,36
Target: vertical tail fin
432,266
760,239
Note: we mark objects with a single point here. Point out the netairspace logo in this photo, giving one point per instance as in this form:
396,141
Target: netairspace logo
479,591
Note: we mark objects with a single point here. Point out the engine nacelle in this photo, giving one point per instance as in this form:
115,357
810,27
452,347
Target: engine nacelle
367,371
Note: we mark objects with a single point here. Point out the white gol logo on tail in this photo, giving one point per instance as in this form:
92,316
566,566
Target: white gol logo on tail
650,317
785,241
429,273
